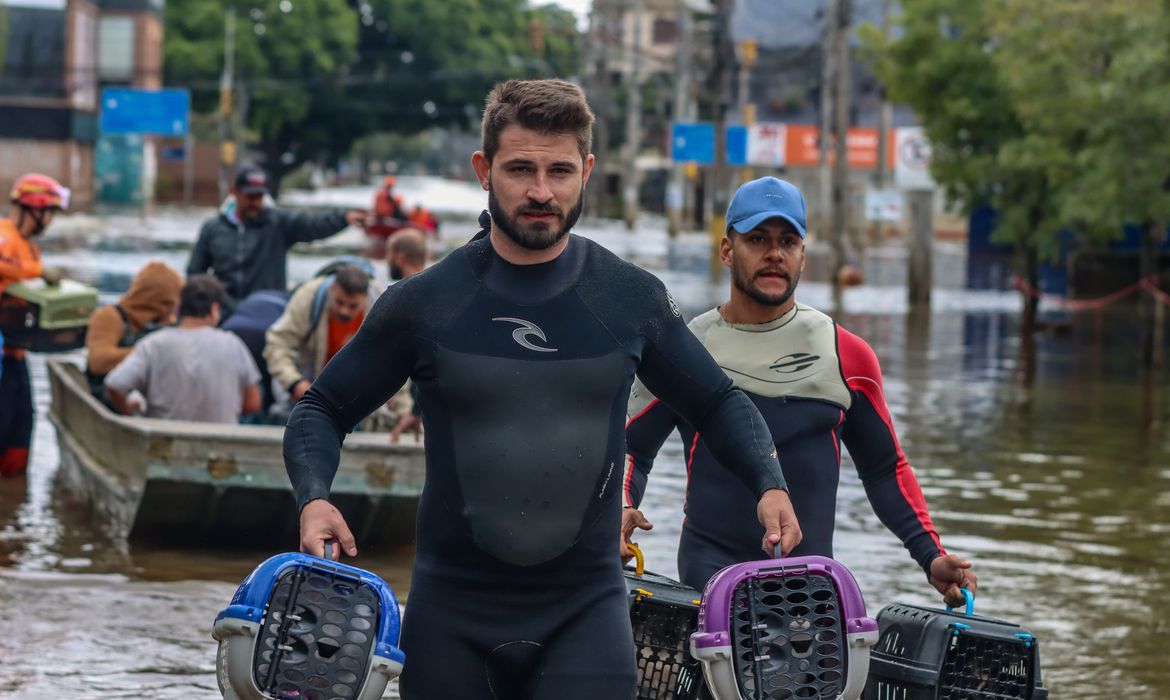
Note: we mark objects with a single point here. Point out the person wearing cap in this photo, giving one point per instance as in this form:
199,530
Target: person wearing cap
246,245
816,384
35,199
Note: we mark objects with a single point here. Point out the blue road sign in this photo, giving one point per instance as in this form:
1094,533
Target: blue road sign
153,112
692,143
736,144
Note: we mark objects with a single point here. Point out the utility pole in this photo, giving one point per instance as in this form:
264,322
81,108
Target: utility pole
724,64
227,146
828,52
920,268
630,179
748,54
841,133
675,197
885,116
601,36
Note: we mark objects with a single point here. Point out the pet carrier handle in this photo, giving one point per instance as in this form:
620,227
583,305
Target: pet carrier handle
639,559
328,554
970,598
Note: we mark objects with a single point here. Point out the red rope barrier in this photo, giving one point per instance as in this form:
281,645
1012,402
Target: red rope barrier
1152,289
1081,304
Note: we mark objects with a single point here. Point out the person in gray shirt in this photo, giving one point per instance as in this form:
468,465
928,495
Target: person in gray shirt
194,371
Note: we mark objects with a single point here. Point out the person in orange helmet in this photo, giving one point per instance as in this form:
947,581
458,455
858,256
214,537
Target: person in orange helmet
35,199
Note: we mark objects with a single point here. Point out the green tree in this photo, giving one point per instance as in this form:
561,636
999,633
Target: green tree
1093,76
291,55
319,75
941,64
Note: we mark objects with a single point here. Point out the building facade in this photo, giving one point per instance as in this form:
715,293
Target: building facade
55,56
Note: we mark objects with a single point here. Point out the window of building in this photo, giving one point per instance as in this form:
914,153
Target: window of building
665,31
116,49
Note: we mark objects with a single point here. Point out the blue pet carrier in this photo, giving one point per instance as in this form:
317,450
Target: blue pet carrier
308,628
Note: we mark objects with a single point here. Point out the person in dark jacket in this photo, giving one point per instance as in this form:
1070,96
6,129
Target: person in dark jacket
246,245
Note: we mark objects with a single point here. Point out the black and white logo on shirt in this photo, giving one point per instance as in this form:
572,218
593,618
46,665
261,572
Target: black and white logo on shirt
526,328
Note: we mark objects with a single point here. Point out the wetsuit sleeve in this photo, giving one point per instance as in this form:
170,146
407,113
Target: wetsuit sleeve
869,436
303,226
677,368
200,261
360,378
649,422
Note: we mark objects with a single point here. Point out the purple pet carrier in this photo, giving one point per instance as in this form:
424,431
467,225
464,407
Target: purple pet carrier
784,628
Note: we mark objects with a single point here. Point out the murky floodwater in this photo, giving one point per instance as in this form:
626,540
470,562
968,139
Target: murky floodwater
1057,492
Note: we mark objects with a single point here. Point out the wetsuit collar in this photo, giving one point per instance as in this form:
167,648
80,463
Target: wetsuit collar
761,327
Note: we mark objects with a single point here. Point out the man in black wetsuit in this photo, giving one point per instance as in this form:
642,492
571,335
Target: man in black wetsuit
816,384
524,344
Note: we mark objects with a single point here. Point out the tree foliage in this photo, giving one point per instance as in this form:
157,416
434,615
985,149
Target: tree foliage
1047,110
320,74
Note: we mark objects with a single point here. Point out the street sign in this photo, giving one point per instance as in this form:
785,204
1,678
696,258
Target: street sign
766,144
737,144
886,206
692,143
152,112
912,164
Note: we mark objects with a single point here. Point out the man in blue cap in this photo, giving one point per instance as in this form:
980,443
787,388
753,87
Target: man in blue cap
816,384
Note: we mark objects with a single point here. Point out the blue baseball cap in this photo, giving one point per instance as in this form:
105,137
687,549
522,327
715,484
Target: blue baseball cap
766,198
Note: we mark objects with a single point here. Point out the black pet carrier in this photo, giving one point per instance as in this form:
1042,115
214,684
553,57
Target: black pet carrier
663,613
930,654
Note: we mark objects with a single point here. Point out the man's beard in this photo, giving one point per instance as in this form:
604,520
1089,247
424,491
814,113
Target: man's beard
537,235
739,279
395,272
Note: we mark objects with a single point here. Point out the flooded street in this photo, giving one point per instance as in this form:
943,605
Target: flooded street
1057,491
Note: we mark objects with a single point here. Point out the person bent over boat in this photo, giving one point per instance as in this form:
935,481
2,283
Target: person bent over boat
816,384
35,200
524,344
194,371
149,304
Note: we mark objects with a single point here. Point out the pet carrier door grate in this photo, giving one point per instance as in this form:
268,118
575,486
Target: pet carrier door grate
663,613
316,637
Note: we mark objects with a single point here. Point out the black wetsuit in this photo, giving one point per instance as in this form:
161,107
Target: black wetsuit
523,375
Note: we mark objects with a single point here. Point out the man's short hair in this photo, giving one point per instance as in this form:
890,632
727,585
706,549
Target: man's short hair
546,106
351,279
198,295
409,242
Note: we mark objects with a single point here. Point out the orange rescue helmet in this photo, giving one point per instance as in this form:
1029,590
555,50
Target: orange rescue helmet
389,181
36,191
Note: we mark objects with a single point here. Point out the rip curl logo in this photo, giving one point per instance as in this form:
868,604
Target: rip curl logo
526,328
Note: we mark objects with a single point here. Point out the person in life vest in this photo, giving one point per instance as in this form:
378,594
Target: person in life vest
422,219
35,199
390,214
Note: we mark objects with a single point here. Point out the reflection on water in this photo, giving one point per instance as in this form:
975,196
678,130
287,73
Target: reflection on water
1055,491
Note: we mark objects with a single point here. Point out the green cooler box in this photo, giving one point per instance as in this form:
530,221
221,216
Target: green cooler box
40,318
